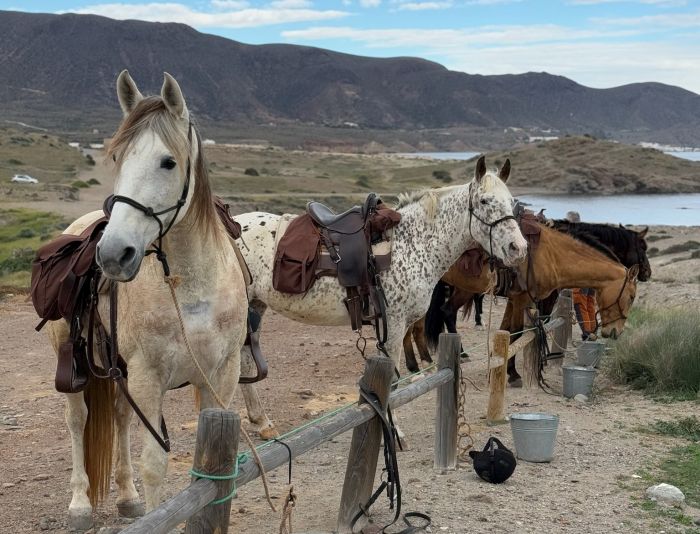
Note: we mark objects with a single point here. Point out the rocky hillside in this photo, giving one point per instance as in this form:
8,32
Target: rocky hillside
60,69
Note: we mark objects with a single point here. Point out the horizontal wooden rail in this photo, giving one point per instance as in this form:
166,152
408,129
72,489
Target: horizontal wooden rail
524,340
201,492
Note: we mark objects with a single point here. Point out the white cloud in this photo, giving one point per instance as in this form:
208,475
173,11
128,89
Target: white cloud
370,3
594,57
290,4
173,12
662,3
675,20
230,4
420,6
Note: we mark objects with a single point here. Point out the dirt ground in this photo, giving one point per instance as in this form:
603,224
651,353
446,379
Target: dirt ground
584,489
598,446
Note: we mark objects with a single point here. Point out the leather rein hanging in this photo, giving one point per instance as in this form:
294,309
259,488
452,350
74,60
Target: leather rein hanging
617,302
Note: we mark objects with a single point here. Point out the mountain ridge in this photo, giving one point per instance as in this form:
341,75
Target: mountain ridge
66,65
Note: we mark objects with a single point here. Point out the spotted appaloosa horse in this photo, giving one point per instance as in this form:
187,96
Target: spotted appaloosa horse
436,227
156,151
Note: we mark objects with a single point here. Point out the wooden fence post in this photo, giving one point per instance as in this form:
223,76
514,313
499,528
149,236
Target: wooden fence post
364,448
215,454
447,404
497,378
561,337
529,353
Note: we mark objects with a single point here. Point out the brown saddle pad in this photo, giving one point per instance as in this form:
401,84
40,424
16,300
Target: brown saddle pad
296,265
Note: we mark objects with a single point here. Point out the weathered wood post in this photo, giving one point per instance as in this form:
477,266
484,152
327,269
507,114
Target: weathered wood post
529,352
497,378
215,454
447,404
562,335
364,447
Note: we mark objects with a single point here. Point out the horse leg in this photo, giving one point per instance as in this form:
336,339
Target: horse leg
80,508
478,308
421,343
147,391
411,363
128,503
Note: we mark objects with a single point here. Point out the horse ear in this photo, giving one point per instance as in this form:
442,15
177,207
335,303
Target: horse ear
643,233
504,173
127,92
172,96
633,272
480,169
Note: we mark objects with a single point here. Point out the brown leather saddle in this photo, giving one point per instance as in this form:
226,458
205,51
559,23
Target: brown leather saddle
323,243
62,286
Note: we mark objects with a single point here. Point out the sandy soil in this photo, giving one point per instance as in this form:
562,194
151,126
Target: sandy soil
598,448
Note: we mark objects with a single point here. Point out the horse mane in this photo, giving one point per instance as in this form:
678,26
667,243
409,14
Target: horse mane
429,197
151,113
621,238
588,239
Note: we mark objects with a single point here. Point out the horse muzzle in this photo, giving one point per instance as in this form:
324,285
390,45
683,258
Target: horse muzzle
119,261
514,253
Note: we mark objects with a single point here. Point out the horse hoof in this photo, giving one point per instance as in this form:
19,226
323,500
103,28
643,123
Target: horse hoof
417,377
80,520
268,433
131,509
464,356
517,383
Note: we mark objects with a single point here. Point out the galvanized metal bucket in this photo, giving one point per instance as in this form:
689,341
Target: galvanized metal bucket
534,435
589,353
578,379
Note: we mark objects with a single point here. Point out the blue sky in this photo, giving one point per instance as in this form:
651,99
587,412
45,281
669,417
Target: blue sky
599,43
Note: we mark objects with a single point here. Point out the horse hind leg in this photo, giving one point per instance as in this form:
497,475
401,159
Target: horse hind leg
259,420
410,355
421,342
128,503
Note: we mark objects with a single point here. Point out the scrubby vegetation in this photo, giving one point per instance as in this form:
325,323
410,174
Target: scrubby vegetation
22,231
659,353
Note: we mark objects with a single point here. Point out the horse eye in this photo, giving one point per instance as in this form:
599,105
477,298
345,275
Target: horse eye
167,163
484,201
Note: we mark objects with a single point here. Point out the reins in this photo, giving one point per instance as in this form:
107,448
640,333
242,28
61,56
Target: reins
617,302
490,225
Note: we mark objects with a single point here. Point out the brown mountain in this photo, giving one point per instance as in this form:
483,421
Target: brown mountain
60,70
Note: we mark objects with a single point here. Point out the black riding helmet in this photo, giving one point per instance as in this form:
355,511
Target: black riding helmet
495,463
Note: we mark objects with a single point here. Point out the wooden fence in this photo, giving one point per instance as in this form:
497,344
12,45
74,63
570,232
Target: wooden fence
218,435
560,326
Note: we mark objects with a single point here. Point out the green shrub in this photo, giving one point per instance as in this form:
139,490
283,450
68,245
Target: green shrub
25,233
442,175
13,161
682,247
90,160
19,260
688,428
250,171
362,181
93,181
80,184
659,353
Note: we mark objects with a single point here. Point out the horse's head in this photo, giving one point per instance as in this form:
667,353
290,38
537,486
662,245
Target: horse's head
155,157
615,301
491,220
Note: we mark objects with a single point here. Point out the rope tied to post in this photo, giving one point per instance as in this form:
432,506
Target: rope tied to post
241,458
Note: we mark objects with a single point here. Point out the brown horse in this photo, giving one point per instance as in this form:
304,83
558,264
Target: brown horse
559,261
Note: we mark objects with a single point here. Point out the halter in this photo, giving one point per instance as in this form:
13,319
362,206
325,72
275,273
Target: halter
491,226
617,302
150,212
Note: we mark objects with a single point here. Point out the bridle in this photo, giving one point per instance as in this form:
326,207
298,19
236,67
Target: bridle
616,303
490,225
150,212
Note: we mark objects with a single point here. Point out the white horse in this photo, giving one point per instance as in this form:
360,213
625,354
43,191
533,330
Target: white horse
436,227
157,154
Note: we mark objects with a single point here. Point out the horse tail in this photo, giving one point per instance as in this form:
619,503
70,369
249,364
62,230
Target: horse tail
197,400
435,316
98,437
467,309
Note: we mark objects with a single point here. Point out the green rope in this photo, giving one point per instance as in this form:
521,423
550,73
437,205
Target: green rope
241,458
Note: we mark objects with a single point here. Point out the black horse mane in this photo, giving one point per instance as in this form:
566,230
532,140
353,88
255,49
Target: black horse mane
593,235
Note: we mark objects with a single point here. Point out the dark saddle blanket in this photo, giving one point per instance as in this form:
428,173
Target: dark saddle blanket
323,243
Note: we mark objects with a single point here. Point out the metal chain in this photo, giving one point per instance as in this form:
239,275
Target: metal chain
464,429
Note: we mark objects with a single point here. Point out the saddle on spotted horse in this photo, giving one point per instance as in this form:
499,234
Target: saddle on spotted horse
323,243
